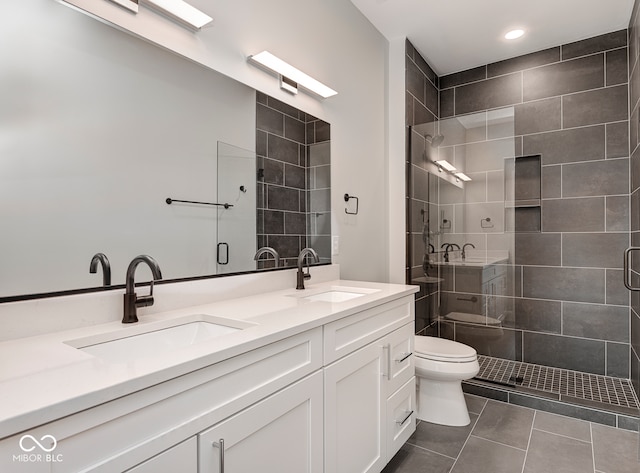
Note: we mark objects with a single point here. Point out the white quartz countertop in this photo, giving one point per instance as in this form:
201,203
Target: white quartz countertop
43,378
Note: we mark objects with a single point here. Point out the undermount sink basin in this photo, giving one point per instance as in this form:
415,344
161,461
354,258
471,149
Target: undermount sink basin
156,338
334,294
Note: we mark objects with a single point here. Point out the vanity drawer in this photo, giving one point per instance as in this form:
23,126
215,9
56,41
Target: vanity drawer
355,331
127,431
401,416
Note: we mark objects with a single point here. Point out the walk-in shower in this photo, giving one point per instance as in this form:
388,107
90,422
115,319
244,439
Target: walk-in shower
521,295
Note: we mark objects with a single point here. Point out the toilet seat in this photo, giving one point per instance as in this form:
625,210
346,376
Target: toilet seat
441,349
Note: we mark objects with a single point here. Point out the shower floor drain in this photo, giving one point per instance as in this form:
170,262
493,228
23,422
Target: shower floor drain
574,384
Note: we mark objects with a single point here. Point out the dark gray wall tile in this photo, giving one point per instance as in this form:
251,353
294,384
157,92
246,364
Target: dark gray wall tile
283,149
536,315
270,120
408,109
616,61
491,93
261,143
602,322
616,292
425,67
564,78
295,224
294,129
551,182
294,176
610,177
577,354
579,144
421,114
569,284
573,215
415,81
538,249
595,106
635,170
594,250
527,61
431,98
283,198
464,77
617,213
286,246
273,222
285,108
618,140
618,360
323,131
273,171
538,116
447,103
614,40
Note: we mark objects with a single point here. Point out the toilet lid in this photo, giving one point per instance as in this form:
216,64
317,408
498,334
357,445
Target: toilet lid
441,349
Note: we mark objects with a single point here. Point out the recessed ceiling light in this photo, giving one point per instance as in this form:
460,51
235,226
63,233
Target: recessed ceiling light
514,34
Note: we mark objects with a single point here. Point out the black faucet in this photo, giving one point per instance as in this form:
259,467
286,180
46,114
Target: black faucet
464,255
106,267
301,275
447,247
268,250
131,301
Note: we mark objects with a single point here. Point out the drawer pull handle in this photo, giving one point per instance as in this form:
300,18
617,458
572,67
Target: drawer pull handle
404,357
220,445
408,416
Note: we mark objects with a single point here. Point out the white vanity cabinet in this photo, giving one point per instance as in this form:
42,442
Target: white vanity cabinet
337,397
279,434
369,392
182,458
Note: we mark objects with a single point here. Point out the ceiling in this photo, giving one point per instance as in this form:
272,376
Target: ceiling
455,35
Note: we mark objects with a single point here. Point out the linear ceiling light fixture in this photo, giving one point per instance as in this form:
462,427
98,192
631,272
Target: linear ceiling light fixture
181,11
290,77
128,4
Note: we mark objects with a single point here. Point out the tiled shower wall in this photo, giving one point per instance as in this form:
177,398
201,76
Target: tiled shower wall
571,308
293,161
634,141
421,107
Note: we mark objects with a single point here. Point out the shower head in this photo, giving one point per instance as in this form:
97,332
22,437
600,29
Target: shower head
435,140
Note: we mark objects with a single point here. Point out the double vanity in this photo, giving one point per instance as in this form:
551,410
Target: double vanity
320,380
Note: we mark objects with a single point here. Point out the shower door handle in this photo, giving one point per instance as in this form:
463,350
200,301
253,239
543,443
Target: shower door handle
627,268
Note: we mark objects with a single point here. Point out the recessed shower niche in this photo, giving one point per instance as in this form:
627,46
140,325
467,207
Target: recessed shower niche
523,206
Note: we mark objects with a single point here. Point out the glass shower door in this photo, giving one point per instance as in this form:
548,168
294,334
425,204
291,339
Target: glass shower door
469,244
236,233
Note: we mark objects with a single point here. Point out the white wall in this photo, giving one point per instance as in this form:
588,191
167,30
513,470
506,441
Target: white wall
331,41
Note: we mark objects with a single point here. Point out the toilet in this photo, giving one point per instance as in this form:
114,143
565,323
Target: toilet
441,366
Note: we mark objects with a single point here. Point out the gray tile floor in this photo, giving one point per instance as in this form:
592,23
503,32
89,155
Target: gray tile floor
504,438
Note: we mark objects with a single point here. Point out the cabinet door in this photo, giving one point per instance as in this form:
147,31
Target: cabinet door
183,458
279,434
354,412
